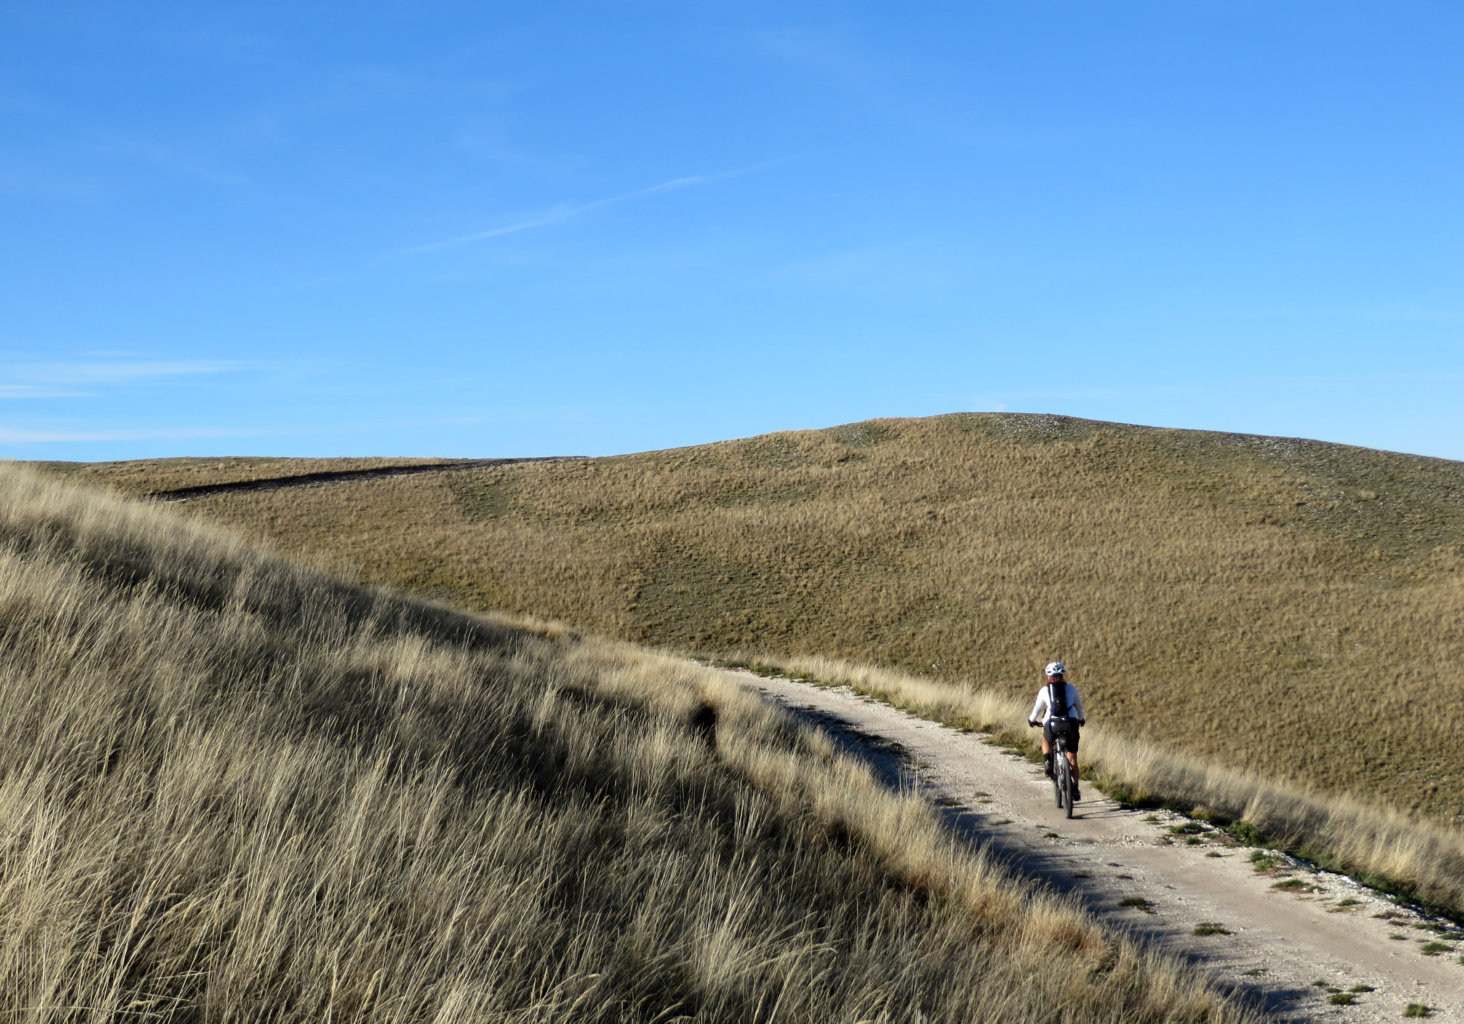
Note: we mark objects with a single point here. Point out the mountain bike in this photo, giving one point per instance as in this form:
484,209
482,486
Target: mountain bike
1063,783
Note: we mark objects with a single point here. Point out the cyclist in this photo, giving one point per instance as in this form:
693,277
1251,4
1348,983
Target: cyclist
1058,704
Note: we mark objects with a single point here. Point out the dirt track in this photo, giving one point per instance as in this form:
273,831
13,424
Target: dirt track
1293,949
279,483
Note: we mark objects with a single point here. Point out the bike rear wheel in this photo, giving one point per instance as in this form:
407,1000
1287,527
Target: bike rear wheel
1068,785
1058,757
1062,778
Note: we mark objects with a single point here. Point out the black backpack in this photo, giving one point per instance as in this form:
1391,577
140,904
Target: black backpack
1057,694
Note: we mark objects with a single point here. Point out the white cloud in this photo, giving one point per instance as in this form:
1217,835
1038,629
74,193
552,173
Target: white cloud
120,371
45,376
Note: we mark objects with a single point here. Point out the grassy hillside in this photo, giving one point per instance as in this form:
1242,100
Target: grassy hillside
1284,605
236,791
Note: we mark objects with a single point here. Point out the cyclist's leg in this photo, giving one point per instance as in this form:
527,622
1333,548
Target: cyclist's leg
1047,750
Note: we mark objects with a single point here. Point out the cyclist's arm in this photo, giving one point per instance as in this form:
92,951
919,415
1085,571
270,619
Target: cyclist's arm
1040,709
1077,704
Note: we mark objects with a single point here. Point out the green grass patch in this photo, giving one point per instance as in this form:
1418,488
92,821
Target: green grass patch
1264,860
1246,833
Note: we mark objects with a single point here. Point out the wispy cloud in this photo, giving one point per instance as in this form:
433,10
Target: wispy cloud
109,371
560,214
13,436
12,391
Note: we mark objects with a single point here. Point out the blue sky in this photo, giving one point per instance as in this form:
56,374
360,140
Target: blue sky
457,229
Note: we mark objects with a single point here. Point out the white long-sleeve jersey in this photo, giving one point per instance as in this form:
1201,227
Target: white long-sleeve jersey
1042,710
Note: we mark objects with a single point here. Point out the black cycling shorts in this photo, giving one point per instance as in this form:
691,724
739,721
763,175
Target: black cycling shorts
1070,731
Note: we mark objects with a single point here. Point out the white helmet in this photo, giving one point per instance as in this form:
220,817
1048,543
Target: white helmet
1055,668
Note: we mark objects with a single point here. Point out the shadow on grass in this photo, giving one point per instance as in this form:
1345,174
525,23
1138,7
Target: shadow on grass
1050,867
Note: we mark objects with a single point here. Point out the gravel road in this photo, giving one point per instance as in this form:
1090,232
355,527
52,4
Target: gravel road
1293,937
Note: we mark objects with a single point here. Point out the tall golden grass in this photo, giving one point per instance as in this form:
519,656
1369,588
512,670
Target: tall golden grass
1285,606
233,789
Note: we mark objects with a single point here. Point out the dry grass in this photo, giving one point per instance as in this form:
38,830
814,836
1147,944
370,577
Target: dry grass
1287,606
234,790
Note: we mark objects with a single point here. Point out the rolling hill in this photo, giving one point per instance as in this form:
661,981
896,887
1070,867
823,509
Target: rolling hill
1288,606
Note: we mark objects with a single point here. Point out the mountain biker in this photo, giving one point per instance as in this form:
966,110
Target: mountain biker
1058,705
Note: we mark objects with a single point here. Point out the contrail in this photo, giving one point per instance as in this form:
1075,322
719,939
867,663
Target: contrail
564,213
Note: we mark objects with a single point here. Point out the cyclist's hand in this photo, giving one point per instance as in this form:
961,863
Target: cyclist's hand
1082,721
1031,723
